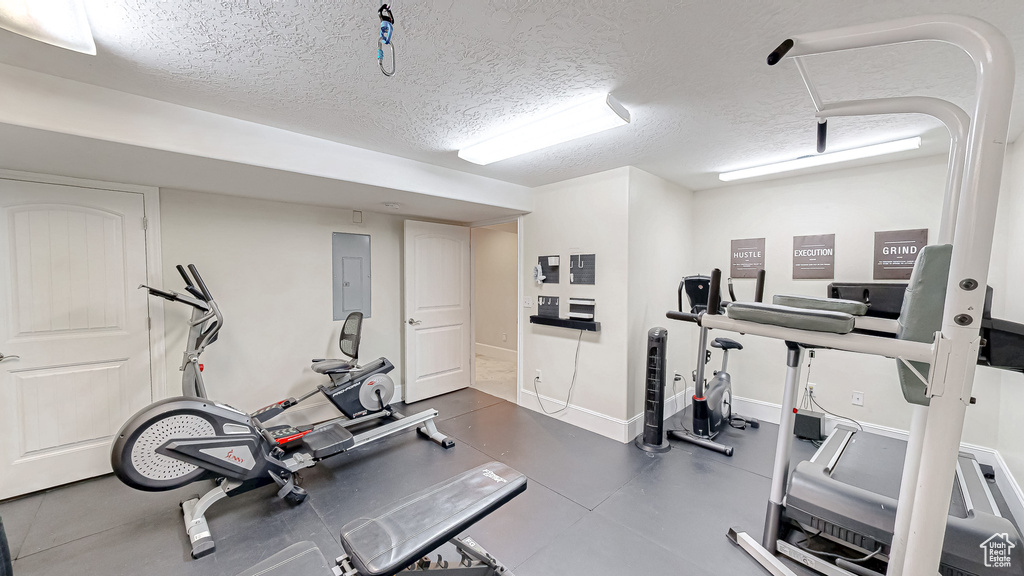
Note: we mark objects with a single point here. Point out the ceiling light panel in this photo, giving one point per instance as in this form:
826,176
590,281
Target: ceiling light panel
823,159
588,117
61,23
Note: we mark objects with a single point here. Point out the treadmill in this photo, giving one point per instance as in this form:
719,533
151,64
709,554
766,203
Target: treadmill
843,502
840,506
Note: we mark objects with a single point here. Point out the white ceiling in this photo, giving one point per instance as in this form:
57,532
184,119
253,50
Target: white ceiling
691,73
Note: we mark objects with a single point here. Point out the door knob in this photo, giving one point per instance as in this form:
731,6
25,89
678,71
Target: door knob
414,322
6,357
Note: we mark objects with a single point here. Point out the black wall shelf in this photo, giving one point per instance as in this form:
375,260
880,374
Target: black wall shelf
567,323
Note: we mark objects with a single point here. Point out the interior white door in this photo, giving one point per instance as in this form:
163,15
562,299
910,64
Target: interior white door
71,260
438,335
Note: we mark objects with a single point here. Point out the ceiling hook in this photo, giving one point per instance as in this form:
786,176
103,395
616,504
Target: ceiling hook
387,28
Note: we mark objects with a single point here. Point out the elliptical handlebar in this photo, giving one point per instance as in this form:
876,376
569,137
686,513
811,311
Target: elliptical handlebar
199,281
189,286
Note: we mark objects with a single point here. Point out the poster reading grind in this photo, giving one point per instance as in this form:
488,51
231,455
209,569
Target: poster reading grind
814,257
896,251
747,257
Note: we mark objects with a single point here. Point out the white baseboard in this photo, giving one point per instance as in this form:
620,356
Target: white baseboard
607,426
496,352
673,404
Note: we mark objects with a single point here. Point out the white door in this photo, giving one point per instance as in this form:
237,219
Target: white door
438,335
71,260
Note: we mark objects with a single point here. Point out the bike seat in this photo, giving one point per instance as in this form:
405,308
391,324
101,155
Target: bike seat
726,344
333,366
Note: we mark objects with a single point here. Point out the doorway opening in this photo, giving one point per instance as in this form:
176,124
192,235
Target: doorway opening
495,308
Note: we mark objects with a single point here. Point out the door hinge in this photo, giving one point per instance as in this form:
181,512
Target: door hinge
149,323
145,224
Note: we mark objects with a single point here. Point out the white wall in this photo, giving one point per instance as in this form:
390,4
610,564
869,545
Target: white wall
853,204
268,264
1008,304
660,253
495,291
582,215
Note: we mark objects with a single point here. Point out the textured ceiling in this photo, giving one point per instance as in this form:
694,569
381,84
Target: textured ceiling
691,73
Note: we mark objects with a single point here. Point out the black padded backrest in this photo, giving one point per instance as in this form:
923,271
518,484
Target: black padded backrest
921,314
350,334
698,289
6,569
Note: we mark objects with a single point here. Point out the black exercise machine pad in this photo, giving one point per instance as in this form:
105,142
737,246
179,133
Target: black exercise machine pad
391,539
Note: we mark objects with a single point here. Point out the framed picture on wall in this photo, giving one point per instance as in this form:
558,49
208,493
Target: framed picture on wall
814,257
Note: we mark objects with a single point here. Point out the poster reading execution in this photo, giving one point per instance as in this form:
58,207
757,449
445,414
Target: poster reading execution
747,257
814,257
896,251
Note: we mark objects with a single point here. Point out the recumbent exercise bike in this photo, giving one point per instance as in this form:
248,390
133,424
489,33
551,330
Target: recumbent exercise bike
176,441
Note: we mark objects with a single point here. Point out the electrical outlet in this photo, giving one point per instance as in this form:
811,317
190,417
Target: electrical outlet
504,337
537,377
810,387
527,303
857,398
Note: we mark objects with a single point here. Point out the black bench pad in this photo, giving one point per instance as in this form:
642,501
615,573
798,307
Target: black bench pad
302,559
391,539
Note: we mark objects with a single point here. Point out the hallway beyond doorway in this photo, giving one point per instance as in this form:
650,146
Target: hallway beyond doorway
496,377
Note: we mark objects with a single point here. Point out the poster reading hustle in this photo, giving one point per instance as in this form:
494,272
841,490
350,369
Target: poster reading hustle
814,257
747,258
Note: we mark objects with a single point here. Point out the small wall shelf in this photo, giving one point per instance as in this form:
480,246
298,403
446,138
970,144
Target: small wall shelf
567,323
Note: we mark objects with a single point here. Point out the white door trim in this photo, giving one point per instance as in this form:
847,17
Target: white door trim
154,259
519,311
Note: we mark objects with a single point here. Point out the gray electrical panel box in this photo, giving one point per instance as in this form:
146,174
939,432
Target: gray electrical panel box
350,255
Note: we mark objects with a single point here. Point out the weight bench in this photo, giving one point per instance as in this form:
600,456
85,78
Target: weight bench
399,536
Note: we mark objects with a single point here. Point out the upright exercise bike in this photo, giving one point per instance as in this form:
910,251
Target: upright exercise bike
711,407
174,442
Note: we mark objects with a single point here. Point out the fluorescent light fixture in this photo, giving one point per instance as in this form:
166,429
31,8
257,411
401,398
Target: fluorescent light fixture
59,22
823,159
583,119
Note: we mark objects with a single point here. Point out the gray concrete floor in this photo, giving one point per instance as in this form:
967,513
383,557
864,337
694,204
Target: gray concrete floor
593,506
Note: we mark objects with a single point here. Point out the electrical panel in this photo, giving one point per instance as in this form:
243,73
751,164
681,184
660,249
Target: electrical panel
350,255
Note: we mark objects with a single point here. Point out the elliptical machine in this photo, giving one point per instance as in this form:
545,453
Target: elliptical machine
711,404
174,442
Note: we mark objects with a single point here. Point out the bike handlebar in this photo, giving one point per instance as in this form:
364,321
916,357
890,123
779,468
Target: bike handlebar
684,316
714,292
